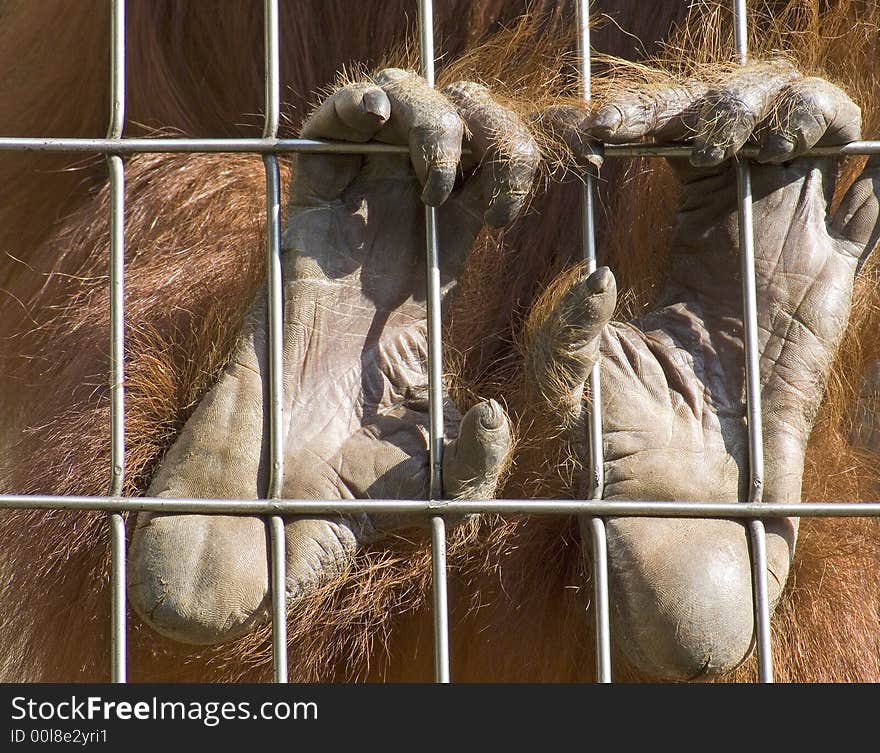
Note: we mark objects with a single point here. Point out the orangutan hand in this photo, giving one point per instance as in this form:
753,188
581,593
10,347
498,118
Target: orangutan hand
355,357
673,406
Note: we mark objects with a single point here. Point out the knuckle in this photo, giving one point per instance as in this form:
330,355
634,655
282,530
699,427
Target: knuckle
393,75
463,91
449,120
818,104
498,133
439,133
727,107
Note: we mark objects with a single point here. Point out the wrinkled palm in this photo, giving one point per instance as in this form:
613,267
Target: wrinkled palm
355,358
673,386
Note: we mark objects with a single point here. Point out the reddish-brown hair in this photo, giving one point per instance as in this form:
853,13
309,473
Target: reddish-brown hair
194,250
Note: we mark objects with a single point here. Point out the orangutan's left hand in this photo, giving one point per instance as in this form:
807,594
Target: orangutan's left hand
673,399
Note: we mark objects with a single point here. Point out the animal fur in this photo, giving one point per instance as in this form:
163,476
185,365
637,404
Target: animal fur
519,589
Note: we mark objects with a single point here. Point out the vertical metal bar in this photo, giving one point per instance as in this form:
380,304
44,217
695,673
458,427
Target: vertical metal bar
594,527
272,55
435,386
117,69
118,633
275,309
760,591
741,30
118,646
441,613
277,543
118,627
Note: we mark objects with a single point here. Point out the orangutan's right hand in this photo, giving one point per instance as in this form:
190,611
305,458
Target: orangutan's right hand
355,358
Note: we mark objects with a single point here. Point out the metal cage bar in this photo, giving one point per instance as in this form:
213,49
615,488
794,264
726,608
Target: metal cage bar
757,534
320,146
114,146
275,317
454,507
118,631
435,385
594,527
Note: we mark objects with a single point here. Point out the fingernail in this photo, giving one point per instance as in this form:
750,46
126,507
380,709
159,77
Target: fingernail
438,186
492,416
599,281
607,120
707,156
375,102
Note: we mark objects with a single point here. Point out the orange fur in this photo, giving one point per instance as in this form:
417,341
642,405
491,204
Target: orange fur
194,257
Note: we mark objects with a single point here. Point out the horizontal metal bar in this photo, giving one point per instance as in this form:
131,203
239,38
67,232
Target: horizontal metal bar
447,507
165,145
277,146
750,152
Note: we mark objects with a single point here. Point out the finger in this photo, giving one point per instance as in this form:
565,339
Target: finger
474,461
502,144
355,112
685,591
199,579
565,345
856,219
569,125
730,114
428,122
665,112
808,112
319,550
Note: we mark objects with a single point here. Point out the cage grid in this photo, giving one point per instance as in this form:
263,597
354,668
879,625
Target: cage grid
591,512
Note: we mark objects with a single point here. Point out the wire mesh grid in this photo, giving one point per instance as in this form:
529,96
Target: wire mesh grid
591,511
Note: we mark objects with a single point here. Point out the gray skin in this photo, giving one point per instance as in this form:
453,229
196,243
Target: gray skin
865,431
673,380
673,385
355,359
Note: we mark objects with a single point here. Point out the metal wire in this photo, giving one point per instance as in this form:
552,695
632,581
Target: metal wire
275,308
275,318
272,58
594,527
600,508
118,641
757,534
114,146
118,622
118,632
126,146
441,612
117,69
435,386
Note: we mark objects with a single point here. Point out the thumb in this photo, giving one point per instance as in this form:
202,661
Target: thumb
856,219
474,461
355,113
